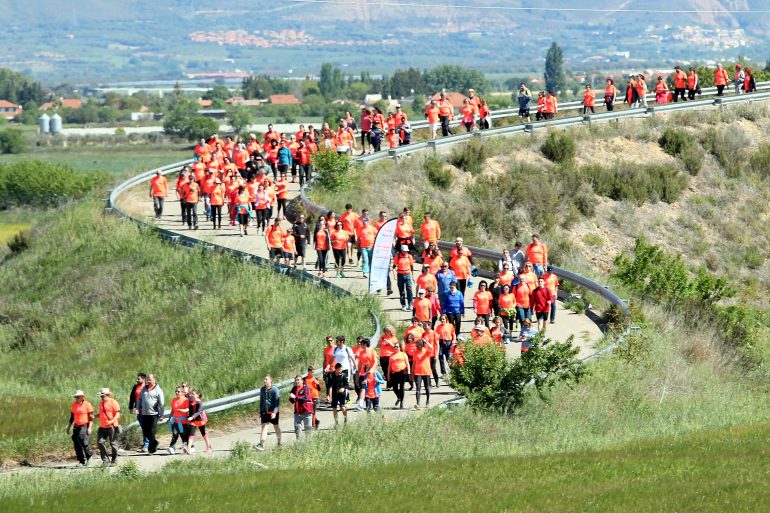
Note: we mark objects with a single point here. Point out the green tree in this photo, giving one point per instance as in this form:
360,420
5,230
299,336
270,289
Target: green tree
554,68
403,82
239,117
263,86
219,92
12,141
331,81
199,127
454,78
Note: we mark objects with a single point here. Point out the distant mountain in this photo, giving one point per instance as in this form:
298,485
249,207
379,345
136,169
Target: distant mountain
93,40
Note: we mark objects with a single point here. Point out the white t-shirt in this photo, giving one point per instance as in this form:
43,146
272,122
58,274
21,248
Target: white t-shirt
344,356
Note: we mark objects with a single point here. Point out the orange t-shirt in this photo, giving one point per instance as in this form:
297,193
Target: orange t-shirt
505,278
461,267
522,293
274,236
432,113
328,358
217,195
340,239
348,220
422,361
397,362
82,412
537,253
289,244
483,302
371,388
445,331
434,263
313,385
427,280
366,357
178,404
321,240
417,331
507,302
386,346
366,235
108,408
404,263
159,186
422,309
430,230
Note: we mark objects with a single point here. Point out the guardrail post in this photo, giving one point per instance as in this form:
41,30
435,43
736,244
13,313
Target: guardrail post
432,146
587,119
651,110
477,134
174,239
109,210
720,103
393,154
529,127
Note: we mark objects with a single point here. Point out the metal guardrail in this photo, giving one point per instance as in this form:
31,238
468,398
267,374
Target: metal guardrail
251,396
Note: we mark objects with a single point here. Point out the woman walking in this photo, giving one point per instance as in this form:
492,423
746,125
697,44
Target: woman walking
398,373
322,241
197,419
421,372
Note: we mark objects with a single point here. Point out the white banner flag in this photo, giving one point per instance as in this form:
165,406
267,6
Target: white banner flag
380,264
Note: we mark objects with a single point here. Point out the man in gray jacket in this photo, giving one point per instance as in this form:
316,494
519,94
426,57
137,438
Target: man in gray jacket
152,404
269,404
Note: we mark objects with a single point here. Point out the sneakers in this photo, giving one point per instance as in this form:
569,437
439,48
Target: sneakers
404,309
171,450
191,450
185,449
208,449
416,407
259,447
88,461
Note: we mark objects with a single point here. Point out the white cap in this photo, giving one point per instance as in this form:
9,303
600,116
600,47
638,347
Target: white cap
404,247
421,291
78,393
103,391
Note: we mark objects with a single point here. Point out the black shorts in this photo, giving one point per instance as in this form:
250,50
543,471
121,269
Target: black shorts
264,418
339,399
524,113
352,239
276,252
541,316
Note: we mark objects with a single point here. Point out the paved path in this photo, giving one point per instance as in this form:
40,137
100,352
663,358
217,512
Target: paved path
136,203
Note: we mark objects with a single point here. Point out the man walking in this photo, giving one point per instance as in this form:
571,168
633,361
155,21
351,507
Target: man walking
158,192
300,396
301,234
109,420
80,417
135,402
152,406
339,384
269,403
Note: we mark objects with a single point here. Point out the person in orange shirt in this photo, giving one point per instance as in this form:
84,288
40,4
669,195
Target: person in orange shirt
720,79
387,346
431,337
432,258
399,371
289,249
344,140
158,192
315,393
81,414
426,279
366,358
349,219
589,97
469,113
372,382
404,231
498,331
421,307
537,254
109,420
365,234
539,115
381,220
432,115
321,243
339,239
552,284
274,235
191,191
523,294
485,118
641,90
261,205
430,229
281,195
551,107
421,371
392,138
447,338
403,263
479,332
445,113
680,83
482,302
180,410
216,201
661,91
507,304
461,263
328,365
201,149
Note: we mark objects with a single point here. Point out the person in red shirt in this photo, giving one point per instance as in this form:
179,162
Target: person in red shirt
366,127
339,240
589,97
328,365
482,302
315,393
274,235
541,302
365,235
432,115
431,337
81,414
446,113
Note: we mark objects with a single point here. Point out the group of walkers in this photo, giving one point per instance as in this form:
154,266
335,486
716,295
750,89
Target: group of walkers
148,402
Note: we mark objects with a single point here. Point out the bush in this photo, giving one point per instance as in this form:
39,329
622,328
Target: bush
437,173
199,127
19,242
43,184
559,146
678,143
333,170
491,381
759,162
12,141
638,184
726,146
469,157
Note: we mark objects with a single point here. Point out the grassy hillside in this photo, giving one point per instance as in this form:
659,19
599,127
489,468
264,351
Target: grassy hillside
714,471
94,300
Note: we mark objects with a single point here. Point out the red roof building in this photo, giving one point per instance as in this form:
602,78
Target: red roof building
9,110
284,99
67,103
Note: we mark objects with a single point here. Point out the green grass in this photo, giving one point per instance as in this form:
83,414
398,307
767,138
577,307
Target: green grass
94,300
715,471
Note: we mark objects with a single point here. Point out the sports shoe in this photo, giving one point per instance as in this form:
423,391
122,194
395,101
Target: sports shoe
259,447
185,449
191,450
209,449
404,309
171,450
88,461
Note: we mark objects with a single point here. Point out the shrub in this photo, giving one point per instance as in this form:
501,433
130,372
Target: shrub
678,143
559,147
759,162
491,381
726,146
437,173
241,450
19,242
129,471
12,141
199,127
469,157
638,184
585,200
333,170
43,184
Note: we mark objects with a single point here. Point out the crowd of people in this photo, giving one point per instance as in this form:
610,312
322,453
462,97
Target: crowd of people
148,403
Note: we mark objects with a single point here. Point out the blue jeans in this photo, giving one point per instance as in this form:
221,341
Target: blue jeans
553,311
366,256
538,268
522,313
405,289
145,440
